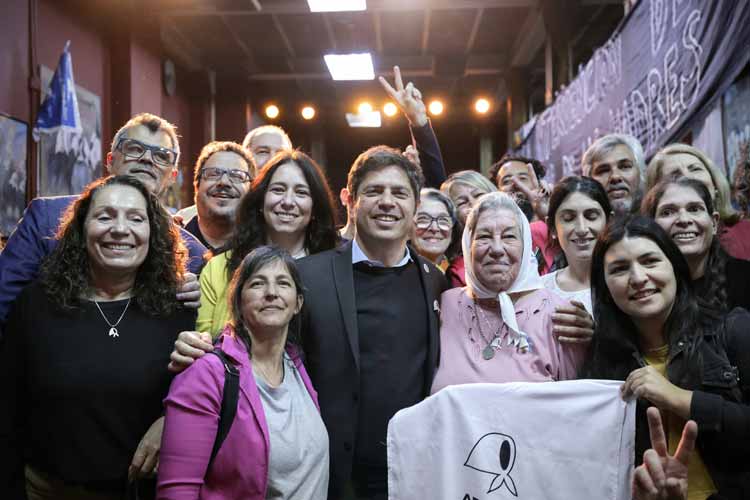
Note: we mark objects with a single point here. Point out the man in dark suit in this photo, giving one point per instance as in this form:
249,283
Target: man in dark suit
370,324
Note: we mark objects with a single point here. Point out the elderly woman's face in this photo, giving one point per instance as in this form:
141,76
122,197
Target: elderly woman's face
270,298
497,249
117,230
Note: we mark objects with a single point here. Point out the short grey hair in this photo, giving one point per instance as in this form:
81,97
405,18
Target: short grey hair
604,145
267,129
154,124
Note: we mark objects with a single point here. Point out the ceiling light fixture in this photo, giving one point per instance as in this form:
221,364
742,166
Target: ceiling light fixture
308,112
350,66
336,5
482,105
272,111
390,109
370,119
436,107
364,107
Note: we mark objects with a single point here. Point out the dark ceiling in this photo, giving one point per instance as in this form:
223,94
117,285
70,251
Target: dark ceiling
452,49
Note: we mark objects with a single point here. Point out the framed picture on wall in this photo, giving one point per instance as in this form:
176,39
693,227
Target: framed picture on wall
13,136
63,173
736,121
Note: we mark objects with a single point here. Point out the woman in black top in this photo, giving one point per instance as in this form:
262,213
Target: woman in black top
84,358
672,354
684,209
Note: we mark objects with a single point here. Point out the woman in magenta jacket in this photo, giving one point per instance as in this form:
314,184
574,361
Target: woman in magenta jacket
277,446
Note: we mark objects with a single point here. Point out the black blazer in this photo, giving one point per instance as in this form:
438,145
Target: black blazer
331,345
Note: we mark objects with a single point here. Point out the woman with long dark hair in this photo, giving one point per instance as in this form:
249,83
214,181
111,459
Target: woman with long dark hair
684,209
672,354
289,205
578,211
277,445
83,360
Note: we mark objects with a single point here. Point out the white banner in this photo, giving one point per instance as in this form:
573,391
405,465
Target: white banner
535,441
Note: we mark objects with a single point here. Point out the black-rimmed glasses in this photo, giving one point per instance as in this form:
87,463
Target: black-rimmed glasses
236,176
134,149
443,223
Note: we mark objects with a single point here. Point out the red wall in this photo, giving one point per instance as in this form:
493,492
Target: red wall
14,59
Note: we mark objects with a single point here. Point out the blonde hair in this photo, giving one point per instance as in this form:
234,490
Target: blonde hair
470,178
722,198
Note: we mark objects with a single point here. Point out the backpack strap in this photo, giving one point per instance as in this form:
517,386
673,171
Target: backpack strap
229,398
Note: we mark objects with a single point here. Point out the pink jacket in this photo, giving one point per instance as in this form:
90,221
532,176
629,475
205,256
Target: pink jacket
240,469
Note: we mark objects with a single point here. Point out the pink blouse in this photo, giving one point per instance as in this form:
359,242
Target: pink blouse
461,343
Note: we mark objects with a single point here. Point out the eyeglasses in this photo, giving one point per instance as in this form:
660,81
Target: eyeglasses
235,176
135,149
424,222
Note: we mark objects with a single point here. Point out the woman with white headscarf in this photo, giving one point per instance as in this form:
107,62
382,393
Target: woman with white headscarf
498,328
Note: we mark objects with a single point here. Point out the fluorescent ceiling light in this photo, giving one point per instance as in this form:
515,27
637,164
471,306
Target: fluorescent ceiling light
369,119
350,66
336,5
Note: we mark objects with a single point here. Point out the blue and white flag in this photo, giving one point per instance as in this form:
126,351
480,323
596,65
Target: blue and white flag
59,117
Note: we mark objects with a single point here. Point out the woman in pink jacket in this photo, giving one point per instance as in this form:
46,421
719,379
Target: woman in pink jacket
277,445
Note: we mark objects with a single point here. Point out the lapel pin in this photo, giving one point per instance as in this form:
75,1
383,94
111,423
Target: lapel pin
426,268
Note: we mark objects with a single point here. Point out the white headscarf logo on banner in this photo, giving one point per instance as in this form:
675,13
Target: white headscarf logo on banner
528,276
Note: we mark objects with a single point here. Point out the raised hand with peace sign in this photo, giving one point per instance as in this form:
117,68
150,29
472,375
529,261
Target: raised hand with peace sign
408,99
662,476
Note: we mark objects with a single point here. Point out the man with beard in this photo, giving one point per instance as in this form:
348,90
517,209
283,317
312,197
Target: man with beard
617,162
517,176
520,177
222,175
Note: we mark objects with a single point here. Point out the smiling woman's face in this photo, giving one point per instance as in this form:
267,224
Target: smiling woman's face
288,204
270,298
640,279
578,221
497,249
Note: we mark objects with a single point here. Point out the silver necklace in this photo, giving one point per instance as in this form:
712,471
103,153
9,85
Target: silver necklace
113,327
488,351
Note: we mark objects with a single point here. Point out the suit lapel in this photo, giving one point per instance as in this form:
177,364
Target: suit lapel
343,277
431,302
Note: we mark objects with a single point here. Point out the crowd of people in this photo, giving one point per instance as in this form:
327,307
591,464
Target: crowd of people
253,347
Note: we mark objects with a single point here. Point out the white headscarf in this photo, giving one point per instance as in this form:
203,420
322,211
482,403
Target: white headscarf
528,276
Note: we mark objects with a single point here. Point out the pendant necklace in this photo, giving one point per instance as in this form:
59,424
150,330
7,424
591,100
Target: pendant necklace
113,326
488,352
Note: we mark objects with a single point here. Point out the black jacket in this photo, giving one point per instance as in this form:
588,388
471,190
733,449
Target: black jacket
720,406
331,345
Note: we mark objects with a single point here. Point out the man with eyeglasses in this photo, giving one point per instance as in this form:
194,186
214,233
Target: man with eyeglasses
222,176
147,148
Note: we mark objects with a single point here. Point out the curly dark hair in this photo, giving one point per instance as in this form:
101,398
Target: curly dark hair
378,157
610,355
254,261
716,295
65,273
250,232
539,169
